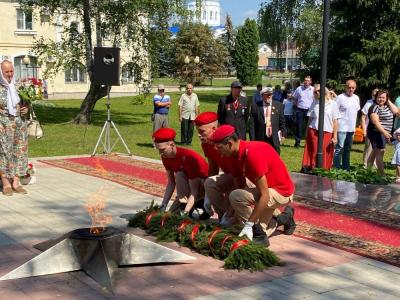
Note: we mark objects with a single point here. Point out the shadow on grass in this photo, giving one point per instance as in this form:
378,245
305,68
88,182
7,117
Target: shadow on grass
146,145
58,115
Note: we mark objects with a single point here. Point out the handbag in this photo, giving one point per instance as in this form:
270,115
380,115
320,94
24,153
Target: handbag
33,126
358,135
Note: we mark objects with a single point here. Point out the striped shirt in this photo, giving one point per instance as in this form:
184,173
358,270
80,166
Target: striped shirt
385,116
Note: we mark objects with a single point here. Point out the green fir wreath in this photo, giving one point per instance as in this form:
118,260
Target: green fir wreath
206,238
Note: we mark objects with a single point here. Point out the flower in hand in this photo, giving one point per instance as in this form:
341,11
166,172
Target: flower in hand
247,230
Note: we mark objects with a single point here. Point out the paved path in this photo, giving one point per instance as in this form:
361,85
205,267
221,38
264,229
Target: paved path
55,205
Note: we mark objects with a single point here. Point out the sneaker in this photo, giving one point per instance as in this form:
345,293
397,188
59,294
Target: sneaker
287,220
397,180
259,235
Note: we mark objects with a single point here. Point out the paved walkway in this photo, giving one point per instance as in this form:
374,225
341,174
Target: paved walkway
55,205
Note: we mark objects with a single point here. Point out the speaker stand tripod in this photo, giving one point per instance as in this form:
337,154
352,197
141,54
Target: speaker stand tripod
105,138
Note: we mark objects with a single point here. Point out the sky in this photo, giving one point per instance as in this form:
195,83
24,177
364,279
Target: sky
239,10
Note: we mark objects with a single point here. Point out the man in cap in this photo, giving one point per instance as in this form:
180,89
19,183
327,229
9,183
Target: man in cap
234,110
162,103
267,121
218,184
260,163
186,170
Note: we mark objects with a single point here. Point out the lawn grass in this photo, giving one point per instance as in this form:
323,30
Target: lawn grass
133,121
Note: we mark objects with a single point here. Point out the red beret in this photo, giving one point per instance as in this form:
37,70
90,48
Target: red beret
206,118
222,132
164,135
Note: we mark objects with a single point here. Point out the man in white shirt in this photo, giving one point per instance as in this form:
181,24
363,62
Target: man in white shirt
188,111
349,105
303,98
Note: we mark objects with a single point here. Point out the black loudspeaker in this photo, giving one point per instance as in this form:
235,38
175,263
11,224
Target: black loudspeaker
106,66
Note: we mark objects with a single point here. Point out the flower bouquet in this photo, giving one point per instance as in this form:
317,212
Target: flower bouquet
29,177
30,89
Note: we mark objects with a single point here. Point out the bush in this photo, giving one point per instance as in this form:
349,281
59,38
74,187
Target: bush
357,174
140,99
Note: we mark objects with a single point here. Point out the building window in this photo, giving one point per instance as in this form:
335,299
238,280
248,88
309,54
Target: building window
24,20
211,15
22,71
127,73
204,15
75,75
74,29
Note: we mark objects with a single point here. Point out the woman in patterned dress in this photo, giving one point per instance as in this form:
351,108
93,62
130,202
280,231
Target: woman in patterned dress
13,133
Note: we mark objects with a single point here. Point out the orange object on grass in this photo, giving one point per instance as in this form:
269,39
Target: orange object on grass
358,135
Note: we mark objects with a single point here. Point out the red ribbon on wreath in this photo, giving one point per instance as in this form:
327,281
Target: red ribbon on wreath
226,238
149,217
211,237
163,219
195,230
183,225
238,244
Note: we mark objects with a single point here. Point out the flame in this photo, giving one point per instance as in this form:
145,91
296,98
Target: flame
99,167
96,205
95,208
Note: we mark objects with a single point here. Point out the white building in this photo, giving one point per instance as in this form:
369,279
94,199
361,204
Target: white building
18,32
210,15
210,12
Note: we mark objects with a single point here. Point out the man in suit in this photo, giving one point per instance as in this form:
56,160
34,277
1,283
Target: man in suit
267,121
234,110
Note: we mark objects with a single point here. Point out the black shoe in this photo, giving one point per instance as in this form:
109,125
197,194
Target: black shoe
297,145
259,236
287,220
199,204
204,216
305,170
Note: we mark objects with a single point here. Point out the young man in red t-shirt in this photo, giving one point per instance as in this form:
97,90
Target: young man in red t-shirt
186,170
218,184
260,163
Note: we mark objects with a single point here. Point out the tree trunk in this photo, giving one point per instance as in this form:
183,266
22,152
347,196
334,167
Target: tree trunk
96,92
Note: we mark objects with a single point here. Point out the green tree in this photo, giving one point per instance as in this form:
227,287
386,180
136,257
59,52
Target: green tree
364,43
195,39
308,36
162,53
246,52
276,20
123,23
228,38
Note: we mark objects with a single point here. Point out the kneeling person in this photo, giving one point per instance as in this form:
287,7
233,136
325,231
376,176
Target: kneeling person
219,183
186,170
260,163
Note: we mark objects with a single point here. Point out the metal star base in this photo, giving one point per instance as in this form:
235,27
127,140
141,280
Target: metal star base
98,256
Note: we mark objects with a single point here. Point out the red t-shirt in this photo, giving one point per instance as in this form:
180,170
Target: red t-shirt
187,161
212,153
259,158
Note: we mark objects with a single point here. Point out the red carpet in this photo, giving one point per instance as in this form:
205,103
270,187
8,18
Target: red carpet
328,226
154,176
349,225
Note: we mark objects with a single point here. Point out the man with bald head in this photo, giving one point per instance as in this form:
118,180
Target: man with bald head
349,105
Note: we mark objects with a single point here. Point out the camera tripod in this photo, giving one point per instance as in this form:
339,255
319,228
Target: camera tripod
105,138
